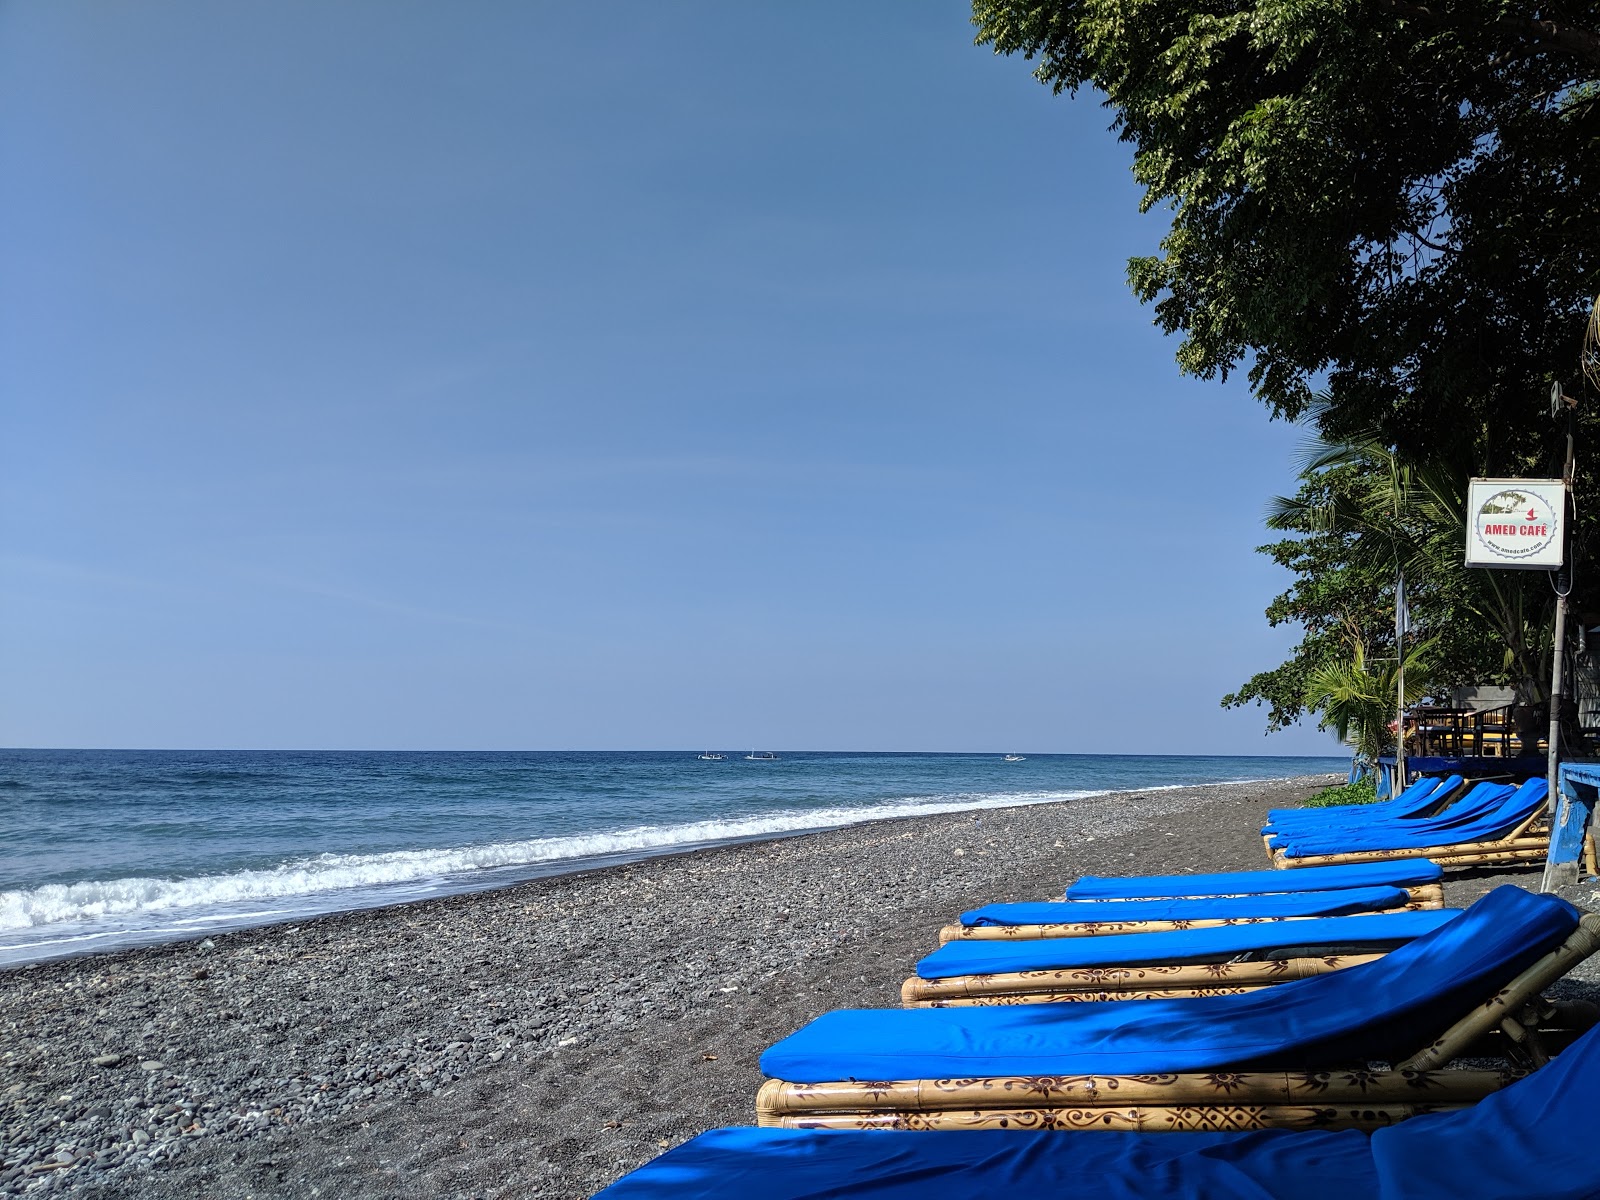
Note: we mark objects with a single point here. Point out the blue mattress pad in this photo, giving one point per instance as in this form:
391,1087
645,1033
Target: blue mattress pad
1402,873
1366,933
1330,903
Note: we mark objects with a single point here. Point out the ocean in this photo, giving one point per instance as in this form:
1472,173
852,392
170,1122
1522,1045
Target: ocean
113,848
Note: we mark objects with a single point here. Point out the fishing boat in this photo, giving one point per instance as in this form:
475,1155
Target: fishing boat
761,756
712,756
1015,758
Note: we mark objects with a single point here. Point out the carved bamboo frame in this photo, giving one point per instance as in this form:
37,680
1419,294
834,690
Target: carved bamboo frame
1001,933
1142,982
1422,895
1138,1119
1218,1100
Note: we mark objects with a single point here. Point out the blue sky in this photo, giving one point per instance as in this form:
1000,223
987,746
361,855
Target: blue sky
575,376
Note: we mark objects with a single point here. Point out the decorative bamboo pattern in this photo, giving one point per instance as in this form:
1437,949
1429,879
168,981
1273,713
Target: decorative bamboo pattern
1358,1086
1426,895
1002,933
1067,997
1259,1099
1423,895
1200,1119
1121,982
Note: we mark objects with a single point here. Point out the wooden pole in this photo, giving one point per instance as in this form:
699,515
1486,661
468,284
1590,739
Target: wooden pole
1553,757
1400,650
1563,583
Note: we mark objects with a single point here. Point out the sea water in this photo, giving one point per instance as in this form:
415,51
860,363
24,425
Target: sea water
110,848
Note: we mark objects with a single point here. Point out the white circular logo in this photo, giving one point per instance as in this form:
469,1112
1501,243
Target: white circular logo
1513,523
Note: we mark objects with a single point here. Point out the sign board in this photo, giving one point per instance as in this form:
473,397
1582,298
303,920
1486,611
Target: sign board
1515,523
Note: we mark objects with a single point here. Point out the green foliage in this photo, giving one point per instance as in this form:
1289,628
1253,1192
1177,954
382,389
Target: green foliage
1361,517
1388,201
1360,792
1357,697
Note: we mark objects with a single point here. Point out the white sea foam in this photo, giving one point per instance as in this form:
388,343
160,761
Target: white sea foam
334,880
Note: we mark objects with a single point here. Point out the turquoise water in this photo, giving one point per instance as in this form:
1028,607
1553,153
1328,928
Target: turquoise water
108,848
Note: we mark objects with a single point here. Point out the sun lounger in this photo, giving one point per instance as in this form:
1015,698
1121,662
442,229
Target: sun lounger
1515,829
1477,802
1518,1143
1141,966
1094,918
1411,874
1423,798
1296,1055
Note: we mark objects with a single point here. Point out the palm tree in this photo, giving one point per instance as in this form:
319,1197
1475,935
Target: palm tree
1356,696
1408,517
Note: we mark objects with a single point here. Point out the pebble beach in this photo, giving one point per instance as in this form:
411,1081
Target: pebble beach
545,1038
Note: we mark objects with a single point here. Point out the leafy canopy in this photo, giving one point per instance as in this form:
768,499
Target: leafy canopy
1391,203
1362,517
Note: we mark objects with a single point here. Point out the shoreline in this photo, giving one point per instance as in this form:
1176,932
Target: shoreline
539,1039
495,878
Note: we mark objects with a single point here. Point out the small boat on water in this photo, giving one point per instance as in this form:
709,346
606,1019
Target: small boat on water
1015,758
712,756
761,756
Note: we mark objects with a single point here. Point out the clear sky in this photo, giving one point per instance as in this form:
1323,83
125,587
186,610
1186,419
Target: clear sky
492,375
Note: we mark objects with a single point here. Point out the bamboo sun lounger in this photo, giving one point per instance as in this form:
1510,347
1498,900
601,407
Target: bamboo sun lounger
1423,798
1517,1143
1096,918
1516,830
1299,1056
1144,966
1479,801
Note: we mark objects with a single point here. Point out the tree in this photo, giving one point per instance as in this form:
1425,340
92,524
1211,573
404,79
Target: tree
1356,696
1387,202
1382,212
1362,517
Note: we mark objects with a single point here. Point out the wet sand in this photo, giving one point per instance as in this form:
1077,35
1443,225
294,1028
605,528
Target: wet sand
542,1039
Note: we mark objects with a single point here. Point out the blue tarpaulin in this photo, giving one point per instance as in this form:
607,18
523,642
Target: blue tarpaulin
1386,1009
1333,903
1517,1144
1402,872
1365,933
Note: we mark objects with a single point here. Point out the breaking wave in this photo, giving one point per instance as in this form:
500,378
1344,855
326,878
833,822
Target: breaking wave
98,901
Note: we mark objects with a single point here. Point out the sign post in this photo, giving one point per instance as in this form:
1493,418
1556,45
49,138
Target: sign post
1522,524
1516,523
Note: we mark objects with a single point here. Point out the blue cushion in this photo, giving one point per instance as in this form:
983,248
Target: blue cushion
1372,931
1401,872
1297,904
